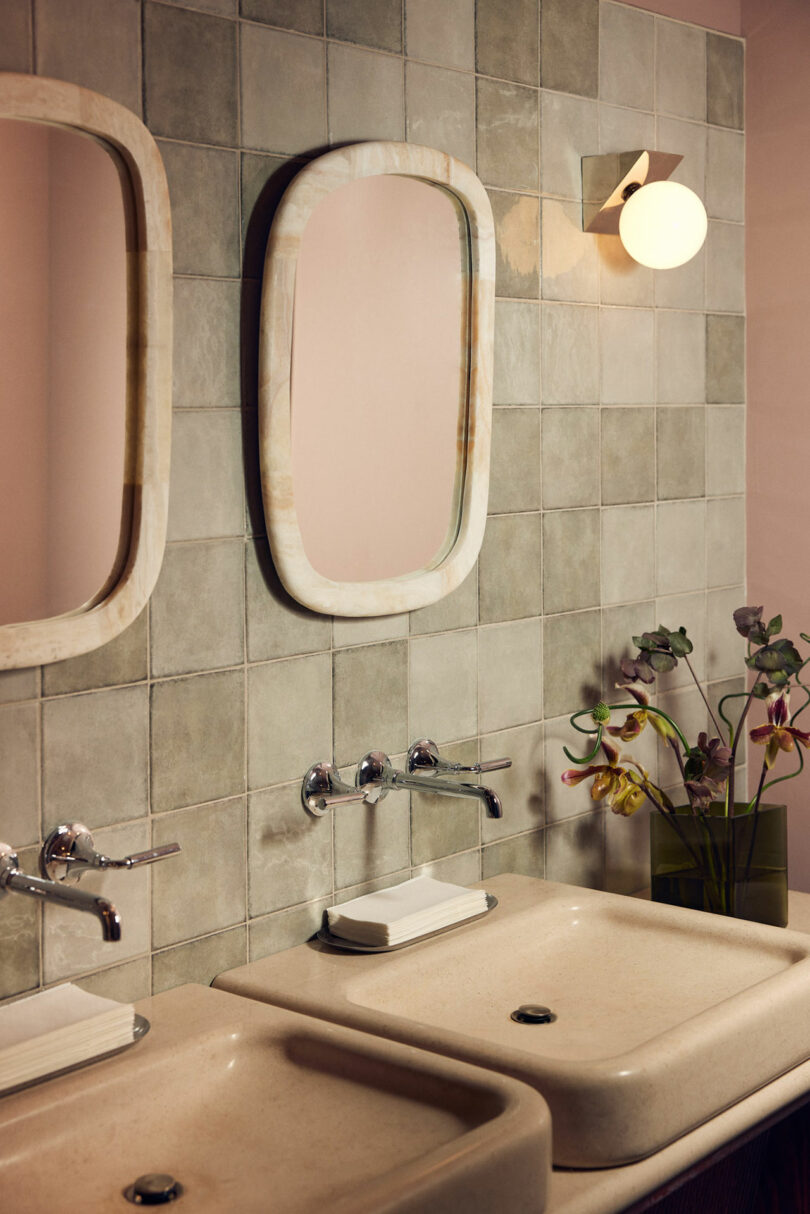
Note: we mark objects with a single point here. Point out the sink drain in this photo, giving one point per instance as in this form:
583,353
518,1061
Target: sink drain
153,1189
533,1013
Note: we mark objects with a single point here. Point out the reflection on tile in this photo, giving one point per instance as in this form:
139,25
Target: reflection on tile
277,626
725,359
681,357
725,100
681,452
441,110
378,24
515,468
725,449
200,961
296,121
442,825
680,78
517,245
569,132
570,262
366,95
509,585
627,356
289,718
370,700
626,56
628,456
206,343
570,361
621,279
289,850
510,674
463,869
571,560
680,540
89,42
198,608
125,983
19,773
122,660
575,851
190,78
285,929
523,854
626,530
511,163
72,941
306,16
573,657
443,702
183,904
198,739
570,458
725,541
506,39
207,498
570,46
204,193
94,750
372,840
441,33
520,787
517,353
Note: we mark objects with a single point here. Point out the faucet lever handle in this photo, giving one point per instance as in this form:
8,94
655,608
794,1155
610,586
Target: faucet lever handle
69,852
424,756
323,790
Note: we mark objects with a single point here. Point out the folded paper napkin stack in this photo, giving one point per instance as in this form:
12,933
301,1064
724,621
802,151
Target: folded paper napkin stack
392,916
59,1028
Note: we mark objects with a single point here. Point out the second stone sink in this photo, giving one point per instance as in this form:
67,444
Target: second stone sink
663,1017
255,1109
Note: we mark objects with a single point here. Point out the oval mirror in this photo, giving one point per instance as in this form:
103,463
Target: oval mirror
376,373
85,343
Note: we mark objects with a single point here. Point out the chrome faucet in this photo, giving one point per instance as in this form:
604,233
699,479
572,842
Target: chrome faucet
66,855
424,762
12,878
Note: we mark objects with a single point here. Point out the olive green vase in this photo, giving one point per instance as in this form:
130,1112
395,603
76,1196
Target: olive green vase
727,865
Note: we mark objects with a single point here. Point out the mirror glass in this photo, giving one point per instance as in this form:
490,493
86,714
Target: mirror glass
379,378
63,350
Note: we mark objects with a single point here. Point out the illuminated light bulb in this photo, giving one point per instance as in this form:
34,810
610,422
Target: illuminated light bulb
663,224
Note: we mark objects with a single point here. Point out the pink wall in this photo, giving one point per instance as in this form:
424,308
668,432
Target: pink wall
777,120
723,15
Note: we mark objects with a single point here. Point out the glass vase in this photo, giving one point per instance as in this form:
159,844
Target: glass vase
733,865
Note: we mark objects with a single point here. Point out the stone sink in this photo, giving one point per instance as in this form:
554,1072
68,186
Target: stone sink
252,1108
664,1017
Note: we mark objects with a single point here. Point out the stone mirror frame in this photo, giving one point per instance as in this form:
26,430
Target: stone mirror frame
469,410
145,488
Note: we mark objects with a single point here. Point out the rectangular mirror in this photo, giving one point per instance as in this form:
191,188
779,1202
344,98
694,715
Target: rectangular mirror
85,343
376,378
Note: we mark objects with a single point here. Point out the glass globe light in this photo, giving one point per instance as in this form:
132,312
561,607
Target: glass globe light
663,224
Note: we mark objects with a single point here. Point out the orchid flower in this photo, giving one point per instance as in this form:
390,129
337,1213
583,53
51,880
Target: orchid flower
624,789
635,721
777,734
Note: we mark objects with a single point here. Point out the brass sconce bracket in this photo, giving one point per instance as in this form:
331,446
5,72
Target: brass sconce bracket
603,199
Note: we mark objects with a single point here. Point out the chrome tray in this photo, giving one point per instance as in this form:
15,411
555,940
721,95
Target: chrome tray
352,946
140,1028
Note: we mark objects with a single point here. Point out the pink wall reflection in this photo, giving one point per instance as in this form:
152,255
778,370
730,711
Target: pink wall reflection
63,310
378,377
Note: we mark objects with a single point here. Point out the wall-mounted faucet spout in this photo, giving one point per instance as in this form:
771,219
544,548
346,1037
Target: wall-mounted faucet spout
12,878
375,767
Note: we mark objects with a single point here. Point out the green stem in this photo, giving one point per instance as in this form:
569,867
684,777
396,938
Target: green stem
703,694
735,744
588,712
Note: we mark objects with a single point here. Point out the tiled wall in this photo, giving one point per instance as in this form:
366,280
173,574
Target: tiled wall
618,474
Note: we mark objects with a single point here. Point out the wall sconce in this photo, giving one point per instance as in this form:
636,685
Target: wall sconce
661,224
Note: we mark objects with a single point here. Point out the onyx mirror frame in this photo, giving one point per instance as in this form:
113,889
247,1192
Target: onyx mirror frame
145,489
391,595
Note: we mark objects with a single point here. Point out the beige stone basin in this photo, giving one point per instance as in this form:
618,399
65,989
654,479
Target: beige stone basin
252,1108
664,1016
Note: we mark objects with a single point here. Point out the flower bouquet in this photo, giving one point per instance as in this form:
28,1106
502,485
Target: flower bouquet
714,852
